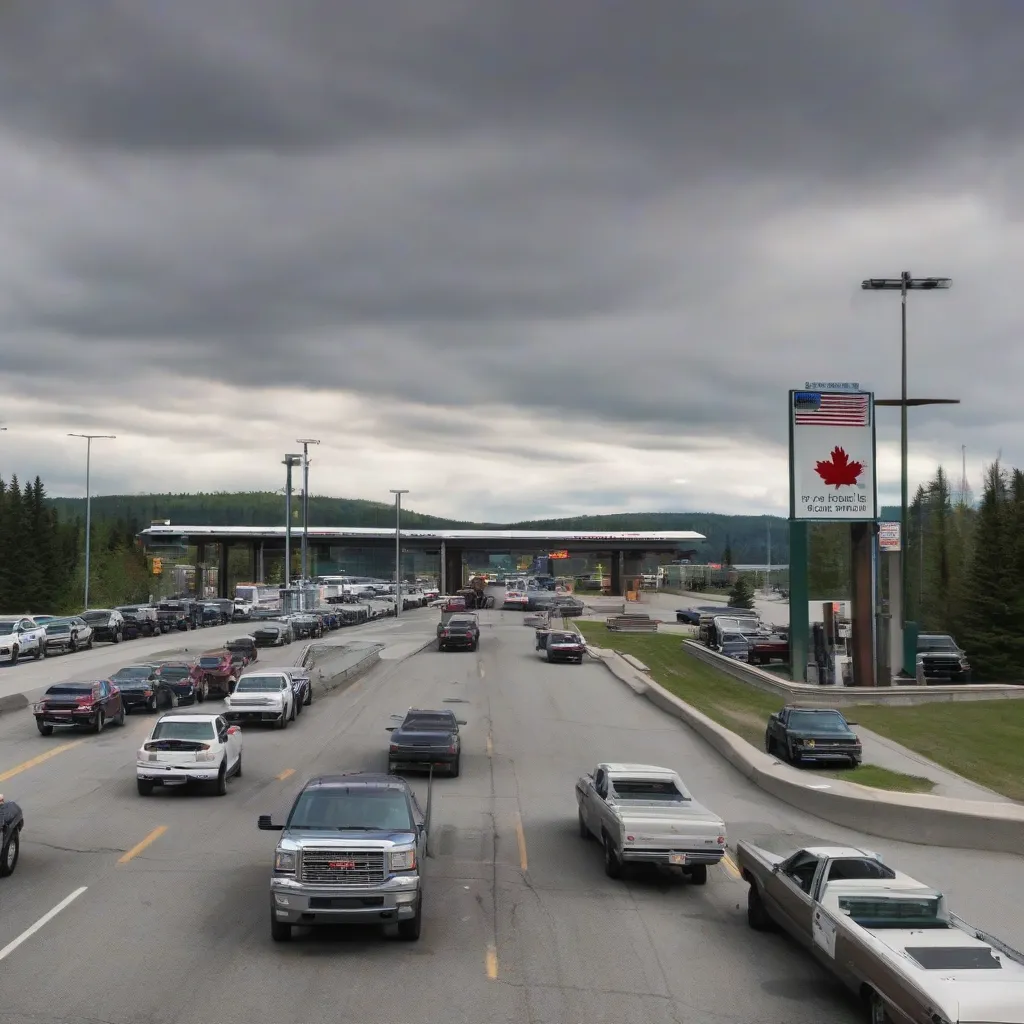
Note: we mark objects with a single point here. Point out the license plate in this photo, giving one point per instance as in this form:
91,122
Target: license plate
677,858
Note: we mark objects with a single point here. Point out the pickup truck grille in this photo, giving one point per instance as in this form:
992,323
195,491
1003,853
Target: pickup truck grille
343,867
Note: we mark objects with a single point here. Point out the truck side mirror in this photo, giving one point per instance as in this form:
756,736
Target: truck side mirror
391,728
266,824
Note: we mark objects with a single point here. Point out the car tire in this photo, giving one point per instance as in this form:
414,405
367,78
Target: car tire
15,654
280,931
119,720
409,931
10,853
88,646
144,786
309,694
40,652
73,644
222,779
877,1013
698,874
99,723
294,713
118,637
45,729
456,767
238,766
757,916
584,831
612,864
281,723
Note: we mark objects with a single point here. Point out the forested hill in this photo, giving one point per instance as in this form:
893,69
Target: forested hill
745,535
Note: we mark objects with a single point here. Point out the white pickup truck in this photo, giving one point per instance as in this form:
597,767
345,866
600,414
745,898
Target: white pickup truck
644,814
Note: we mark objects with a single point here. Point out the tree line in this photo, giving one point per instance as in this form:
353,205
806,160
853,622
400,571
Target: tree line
42,556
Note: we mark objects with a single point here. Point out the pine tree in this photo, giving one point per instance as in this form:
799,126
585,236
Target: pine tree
742,593
990,622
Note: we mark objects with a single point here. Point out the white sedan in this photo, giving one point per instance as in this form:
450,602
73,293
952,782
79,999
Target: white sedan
189,748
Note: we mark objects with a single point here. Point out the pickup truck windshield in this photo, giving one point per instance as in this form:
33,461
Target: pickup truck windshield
429,723
936,643
649,789
258,684
338,809
817,721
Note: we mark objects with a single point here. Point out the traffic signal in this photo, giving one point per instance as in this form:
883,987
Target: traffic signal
158,566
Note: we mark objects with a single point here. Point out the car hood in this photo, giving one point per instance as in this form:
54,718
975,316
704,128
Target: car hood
134,684
322,837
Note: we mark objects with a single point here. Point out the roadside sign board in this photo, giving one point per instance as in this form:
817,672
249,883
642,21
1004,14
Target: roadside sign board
889,537
832,454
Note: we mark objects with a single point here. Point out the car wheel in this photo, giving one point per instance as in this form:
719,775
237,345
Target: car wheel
309,695
45,729
119,720
757,916
151,704
280,931
456,767
612,864
100,721
698,874
409,931
282,722
238,766
88,646
145,787
877,1013
9,854
40,652
73,645
222,779
15,654
584,831
118,637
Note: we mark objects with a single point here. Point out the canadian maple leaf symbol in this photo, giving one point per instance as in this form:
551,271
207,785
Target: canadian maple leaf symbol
839,471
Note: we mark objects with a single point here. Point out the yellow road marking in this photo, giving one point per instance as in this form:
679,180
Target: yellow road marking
491,962
144,845
490,746
38,759
730,866
482,672
521,841
286,774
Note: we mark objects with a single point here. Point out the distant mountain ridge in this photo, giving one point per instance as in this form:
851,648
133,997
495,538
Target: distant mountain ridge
746,536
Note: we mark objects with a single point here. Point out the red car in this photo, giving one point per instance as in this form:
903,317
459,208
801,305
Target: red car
87,705
455,604
220,671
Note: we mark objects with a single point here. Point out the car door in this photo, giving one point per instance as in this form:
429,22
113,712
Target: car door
597,791
110,699
789,890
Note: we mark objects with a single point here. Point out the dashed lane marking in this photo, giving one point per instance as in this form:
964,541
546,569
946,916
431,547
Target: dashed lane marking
37,760
286,774
491,962
521,842
145,844
42,922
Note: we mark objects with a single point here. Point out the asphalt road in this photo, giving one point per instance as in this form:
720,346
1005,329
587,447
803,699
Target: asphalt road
521,923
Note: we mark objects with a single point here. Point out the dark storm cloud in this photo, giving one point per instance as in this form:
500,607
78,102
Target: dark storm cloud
604,212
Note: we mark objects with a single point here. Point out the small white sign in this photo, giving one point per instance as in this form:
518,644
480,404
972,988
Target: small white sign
817,385
824,933
889,538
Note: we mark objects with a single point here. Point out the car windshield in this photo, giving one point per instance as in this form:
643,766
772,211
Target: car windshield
58,625
210,661
96,616
565,638
176,729
174,671
429,722
133,672
818,721
69,689
258,684
330,807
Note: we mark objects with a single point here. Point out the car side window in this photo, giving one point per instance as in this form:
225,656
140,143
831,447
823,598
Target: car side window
601,783
801,869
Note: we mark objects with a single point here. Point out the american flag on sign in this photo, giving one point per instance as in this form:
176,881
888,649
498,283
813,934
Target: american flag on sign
811,409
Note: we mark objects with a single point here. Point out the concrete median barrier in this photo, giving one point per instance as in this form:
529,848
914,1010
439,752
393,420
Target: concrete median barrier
908,817
845,696
333,668
13,702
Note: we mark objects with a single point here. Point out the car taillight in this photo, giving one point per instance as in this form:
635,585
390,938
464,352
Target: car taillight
393,749
721,840
451,748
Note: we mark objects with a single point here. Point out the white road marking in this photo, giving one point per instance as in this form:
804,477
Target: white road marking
44,920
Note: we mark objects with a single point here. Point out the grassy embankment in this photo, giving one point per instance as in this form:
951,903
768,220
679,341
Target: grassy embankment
742,708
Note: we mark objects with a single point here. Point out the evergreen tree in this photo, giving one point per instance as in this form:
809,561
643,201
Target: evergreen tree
989,619
742,593
727,553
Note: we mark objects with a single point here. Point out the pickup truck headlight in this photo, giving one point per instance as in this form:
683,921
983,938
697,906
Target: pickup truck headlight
284,862
403,860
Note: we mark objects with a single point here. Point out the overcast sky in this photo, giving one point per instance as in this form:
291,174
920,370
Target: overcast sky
523,258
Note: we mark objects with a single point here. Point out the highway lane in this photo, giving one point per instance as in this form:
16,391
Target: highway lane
521,923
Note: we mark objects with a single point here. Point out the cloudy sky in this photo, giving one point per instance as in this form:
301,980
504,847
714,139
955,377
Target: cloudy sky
523,258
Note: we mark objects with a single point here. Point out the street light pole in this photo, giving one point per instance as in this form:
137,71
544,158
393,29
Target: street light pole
305,442
290,461
89,438
906,282
398,549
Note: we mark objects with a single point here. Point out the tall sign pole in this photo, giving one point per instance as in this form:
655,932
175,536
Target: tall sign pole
832,479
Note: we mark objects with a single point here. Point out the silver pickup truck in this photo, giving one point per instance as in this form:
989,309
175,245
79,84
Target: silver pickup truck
351,852
644,814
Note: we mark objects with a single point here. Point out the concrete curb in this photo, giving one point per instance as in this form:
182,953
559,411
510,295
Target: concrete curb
846,696
918,818
327,682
